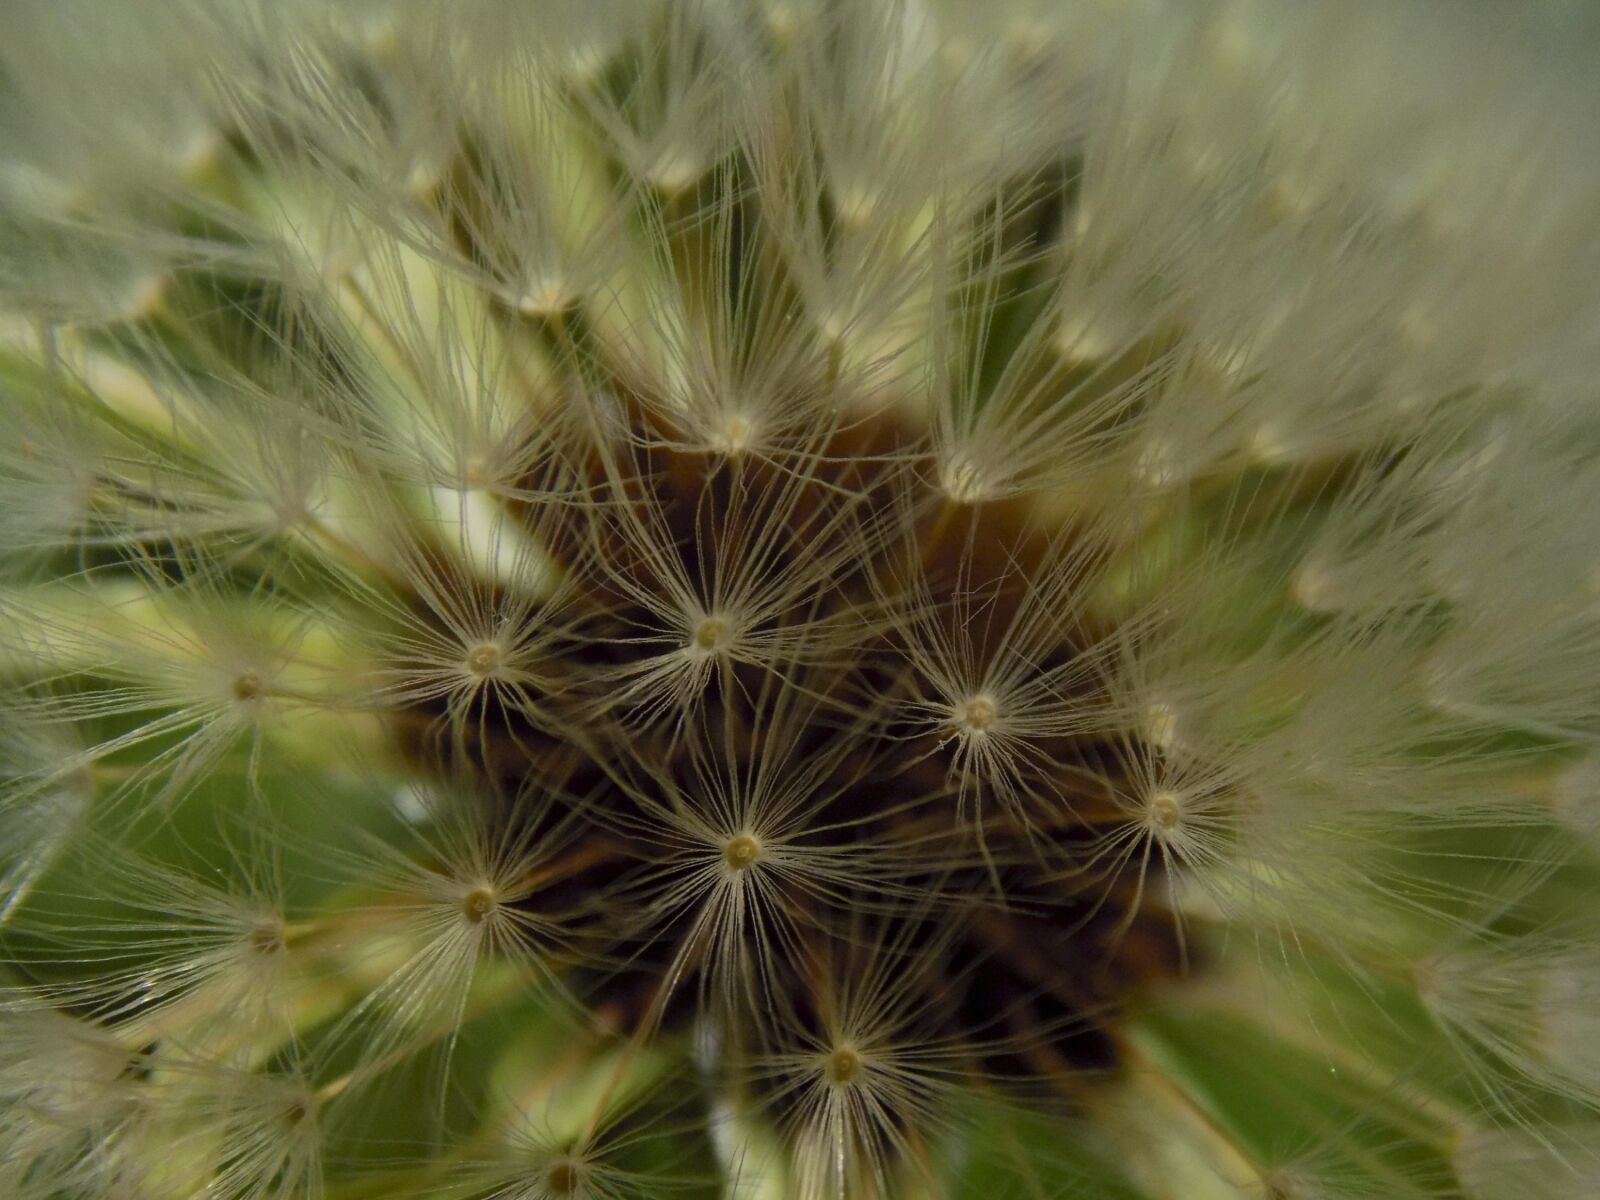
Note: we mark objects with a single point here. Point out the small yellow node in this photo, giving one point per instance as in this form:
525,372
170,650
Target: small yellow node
734,436
963,481
546,297
782,21
843,1066
856,204
1161,724
247,686
1272,442
1165,810
711,634
833,324
742,851
675,170
1084,337
423,179
484,659
479,905
978,713
146,299
1314,587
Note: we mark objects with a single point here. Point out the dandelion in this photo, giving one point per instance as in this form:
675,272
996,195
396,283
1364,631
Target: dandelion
798,598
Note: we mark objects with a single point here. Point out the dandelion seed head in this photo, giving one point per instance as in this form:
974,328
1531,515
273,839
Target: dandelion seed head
836,598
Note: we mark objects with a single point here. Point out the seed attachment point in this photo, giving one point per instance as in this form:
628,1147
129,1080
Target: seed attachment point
484,659
711,634
563,1178
267,935
479,905
977,713
1164,812
742,851
964,482
733,436
843,1067
546,298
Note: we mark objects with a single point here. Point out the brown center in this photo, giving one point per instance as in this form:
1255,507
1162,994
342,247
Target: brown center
563,1178
266,935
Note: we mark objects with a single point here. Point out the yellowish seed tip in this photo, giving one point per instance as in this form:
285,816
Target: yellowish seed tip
546,298
843,1066
479,904
1161,725
782,21
145,299
1314,587
1165,809
424,179
711,634
963,482
484,659
1085,337
734,436
978,713
675,171
742,851
856,204
247,686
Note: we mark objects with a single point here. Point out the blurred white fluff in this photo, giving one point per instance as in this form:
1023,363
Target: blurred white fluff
1311,362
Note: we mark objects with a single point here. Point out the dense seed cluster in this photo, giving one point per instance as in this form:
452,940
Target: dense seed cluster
692,707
